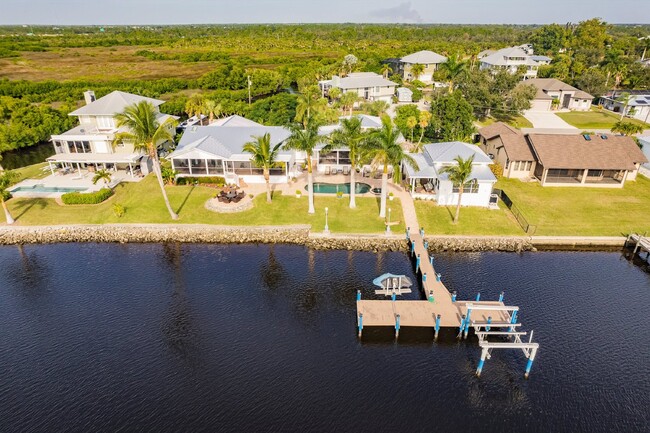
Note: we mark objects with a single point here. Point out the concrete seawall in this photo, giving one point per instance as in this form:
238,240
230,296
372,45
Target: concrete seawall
299,235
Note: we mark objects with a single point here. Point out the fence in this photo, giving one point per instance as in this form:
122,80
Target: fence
519,216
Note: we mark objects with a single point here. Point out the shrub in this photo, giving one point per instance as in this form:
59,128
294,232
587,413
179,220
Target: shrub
216,180
119,210
298,192
339,194
87,198
497,170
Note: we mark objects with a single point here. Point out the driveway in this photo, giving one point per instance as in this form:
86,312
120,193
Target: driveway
548,120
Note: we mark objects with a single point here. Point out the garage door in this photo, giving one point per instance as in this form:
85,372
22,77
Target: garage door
540,105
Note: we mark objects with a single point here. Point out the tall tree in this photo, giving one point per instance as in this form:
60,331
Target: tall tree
195,106
459,174
452,69
6,180
452,118
625,99
550,39
263,155
627,128
416,71
305,139
310,103
349,136
146,133
212,109
383,149
104,175
386,70
411,123
347,101
423,122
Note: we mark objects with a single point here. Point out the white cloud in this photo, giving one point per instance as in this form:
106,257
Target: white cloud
402,13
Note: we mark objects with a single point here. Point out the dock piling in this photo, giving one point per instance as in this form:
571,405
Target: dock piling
489,320
408,236
501,297
467,322
513,320
462,326
453,296
412,248
478,296
393,296
426,245
424,278
397,326
435,336
360,324
529,364
438,277
431,260
358,295
430,295
417,264
481,362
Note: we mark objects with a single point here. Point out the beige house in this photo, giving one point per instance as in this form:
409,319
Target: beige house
428,59
568,97
508,147
368,85
91,143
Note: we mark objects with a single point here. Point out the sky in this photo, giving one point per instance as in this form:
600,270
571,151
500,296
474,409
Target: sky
107,12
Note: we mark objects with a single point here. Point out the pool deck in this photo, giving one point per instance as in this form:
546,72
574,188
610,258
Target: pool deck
72,180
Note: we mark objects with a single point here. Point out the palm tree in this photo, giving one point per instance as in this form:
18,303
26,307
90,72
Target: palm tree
195,106
1,168
309,104
625,98
425,118
416,71
411,123
348,99
262,155
352,137
383,149
334,93
6,180
102,175
146,134
385,70
213,109
305,140
627,128
453,68
459,175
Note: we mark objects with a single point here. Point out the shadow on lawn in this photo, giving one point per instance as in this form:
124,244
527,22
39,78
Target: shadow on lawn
180,208
25,206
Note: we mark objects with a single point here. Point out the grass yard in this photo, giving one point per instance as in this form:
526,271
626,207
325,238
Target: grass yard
595,119
144,204
516,122
34,171
472,221
567,211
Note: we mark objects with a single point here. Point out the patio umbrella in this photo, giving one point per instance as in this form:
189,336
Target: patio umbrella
392,281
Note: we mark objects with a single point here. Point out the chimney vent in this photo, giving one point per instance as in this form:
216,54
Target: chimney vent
89,96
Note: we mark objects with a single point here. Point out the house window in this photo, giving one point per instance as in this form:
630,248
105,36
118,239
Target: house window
516,166
529,164
471,187
594,173
104,122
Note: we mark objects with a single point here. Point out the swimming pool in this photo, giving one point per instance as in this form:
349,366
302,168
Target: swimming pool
333,188
40,188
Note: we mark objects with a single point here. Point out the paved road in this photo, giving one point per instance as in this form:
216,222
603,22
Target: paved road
548,120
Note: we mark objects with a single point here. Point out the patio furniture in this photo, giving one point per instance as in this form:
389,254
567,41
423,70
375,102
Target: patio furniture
346,170
428,187
327,169
222,199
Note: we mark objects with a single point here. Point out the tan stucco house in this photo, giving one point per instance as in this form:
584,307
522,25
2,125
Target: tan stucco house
567,97
428,59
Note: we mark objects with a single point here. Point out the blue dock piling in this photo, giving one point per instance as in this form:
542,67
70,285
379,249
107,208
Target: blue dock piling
424,278
467,322
412,248
513,320
426,245
481,362
360,324
393,296
501,297
478,296
453,296
408,236
489,320
438,277
529,364
358,295
417,264
397,326
431,260
431,296
435,336
422,232
462,326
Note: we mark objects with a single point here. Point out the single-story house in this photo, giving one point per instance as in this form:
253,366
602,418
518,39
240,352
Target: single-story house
368,85
217,150
430,182
601,160
569,97
428,59
404,94
638,106
645,148
508,147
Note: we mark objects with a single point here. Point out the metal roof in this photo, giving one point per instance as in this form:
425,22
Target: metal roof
114,102
423,57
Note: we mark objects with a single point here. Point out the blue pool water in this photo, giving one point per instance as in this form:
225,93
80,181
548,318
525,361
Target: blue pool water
333,188
47,189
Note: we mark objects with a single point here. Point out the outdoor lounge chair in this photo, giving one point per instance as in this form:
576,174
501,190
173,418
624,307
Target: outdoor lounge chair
346,170
327,169
428,187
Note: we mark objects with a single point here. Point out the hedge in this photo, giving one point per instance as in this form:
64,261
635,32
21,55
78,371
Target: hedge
215,180
87,198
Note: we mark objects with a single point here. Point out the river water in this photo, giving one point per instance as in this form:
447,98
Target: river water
171,338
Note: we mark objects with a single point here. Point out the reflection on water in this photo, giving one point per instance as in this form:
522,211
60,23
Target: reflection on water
178,337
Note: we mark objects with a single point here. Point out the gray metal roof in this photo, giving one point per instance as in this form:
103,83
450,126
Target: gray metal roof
425,169
224,142
500,58
235,120
114,102
361,80
424,57
481,173
441,153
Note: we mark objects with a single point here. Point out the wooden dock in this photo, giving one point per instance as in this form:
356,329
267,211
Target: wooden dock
640,242
441,309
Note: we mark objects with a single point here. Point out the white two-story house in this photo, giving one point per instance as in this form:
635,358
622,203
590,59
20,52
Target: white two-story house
368,85
512,59
90,145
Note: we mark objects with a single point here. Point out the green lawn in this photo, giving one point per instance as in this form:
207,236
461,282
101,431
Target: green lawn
31,172
595,119
517,122
472,221
144,204
582,211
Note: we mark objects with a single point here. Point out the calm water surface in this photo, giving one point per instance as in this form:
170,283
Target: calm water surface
195,338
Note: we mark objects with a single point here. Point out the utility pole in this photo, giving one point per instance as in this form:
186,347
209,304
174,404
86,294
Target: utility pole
249,90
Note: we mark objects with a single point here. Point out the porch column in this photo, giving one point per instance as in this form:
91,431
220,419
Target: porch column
130,169
544,174
286,170
51,168
79,168
173,167
412,185
207,170
189,165
584,176
624,177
